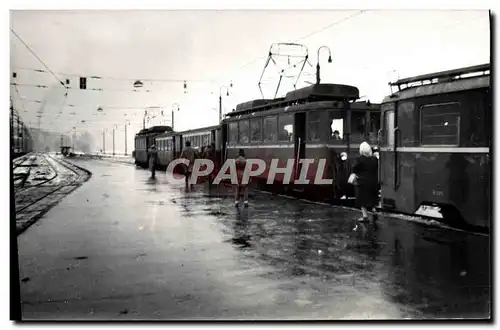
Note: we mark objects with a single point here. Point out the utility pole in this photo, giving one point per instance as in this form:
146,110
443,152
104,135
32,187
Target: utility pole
220,108
104,141
220,100
11,129
19,145
125,139
113,141
172,119
15,311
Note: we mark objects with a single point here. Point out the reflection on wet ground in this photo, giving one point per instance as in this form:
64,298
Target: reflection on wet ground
434,272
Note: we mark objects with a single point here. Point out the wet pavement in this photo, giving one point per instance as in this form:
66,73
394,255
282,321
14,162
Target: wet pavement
124,247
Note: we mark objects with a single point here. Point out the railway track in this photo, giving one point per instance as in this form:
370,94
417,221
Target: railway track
34,201
22,169
46,172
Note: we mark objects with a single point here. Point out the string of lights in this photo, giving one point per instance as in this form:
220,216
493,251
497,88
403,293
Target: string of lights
151,80
85,89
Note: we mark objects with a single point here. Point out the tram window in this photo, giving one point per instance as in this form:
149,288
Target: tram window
270,129
373,127
389,128
358,126
336,125
256,129
204,140
440,124
313,126
244,131
285,127
233,132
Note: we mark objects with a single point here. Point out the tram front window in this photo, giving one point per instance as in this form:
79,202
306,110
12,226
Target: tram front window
358,126
336,126
374,126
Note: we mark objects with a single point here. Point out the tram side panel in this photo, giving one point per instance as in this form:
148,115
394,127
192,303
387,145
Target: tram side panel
459,175
435,151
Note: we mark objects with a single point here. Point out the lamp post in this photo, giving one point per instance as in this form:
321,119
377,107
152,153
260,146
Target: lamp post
220,101
173,112
74,137
104,141
318,79
127,123
114,140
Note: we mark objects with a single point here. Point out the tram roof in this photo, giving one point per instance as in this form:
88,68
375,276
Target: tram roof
191,132
473,77
443,76
313,93
155,129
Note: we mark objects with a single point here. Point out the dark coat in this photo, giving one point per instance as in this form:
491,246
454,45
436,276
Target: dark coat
153,158
366,169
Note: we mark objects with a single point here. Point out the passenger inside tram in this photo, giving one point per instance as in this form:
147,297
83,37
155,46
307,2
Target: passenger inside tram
336,126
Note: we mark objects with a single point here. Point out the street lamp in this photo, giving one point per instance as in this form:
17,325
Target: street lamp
138,84
318,79
99,109
173,111
220,101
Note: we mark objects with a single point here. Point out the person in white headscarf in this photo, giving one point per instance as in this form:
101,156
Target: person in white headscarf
366,170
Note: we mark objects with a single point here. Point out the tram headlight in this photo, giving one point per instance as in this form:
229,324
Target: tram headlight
343,156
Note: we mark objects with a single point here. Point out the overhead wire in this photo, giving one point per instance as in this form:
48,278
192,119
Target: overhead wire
36,56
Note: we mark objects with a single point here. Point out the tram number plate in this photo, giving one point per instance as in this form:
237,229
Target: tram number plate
429,211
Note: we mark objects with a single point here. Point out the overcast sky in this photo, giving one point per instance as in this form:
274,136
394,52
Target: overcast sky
209,49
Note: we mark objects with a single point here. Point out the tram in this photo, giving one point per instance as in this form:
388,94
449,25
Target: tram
435,155
319,122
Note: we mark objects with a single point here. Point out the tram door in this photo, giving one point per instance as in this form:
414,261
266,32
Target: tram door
300,143
387,163
223,142
174,146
